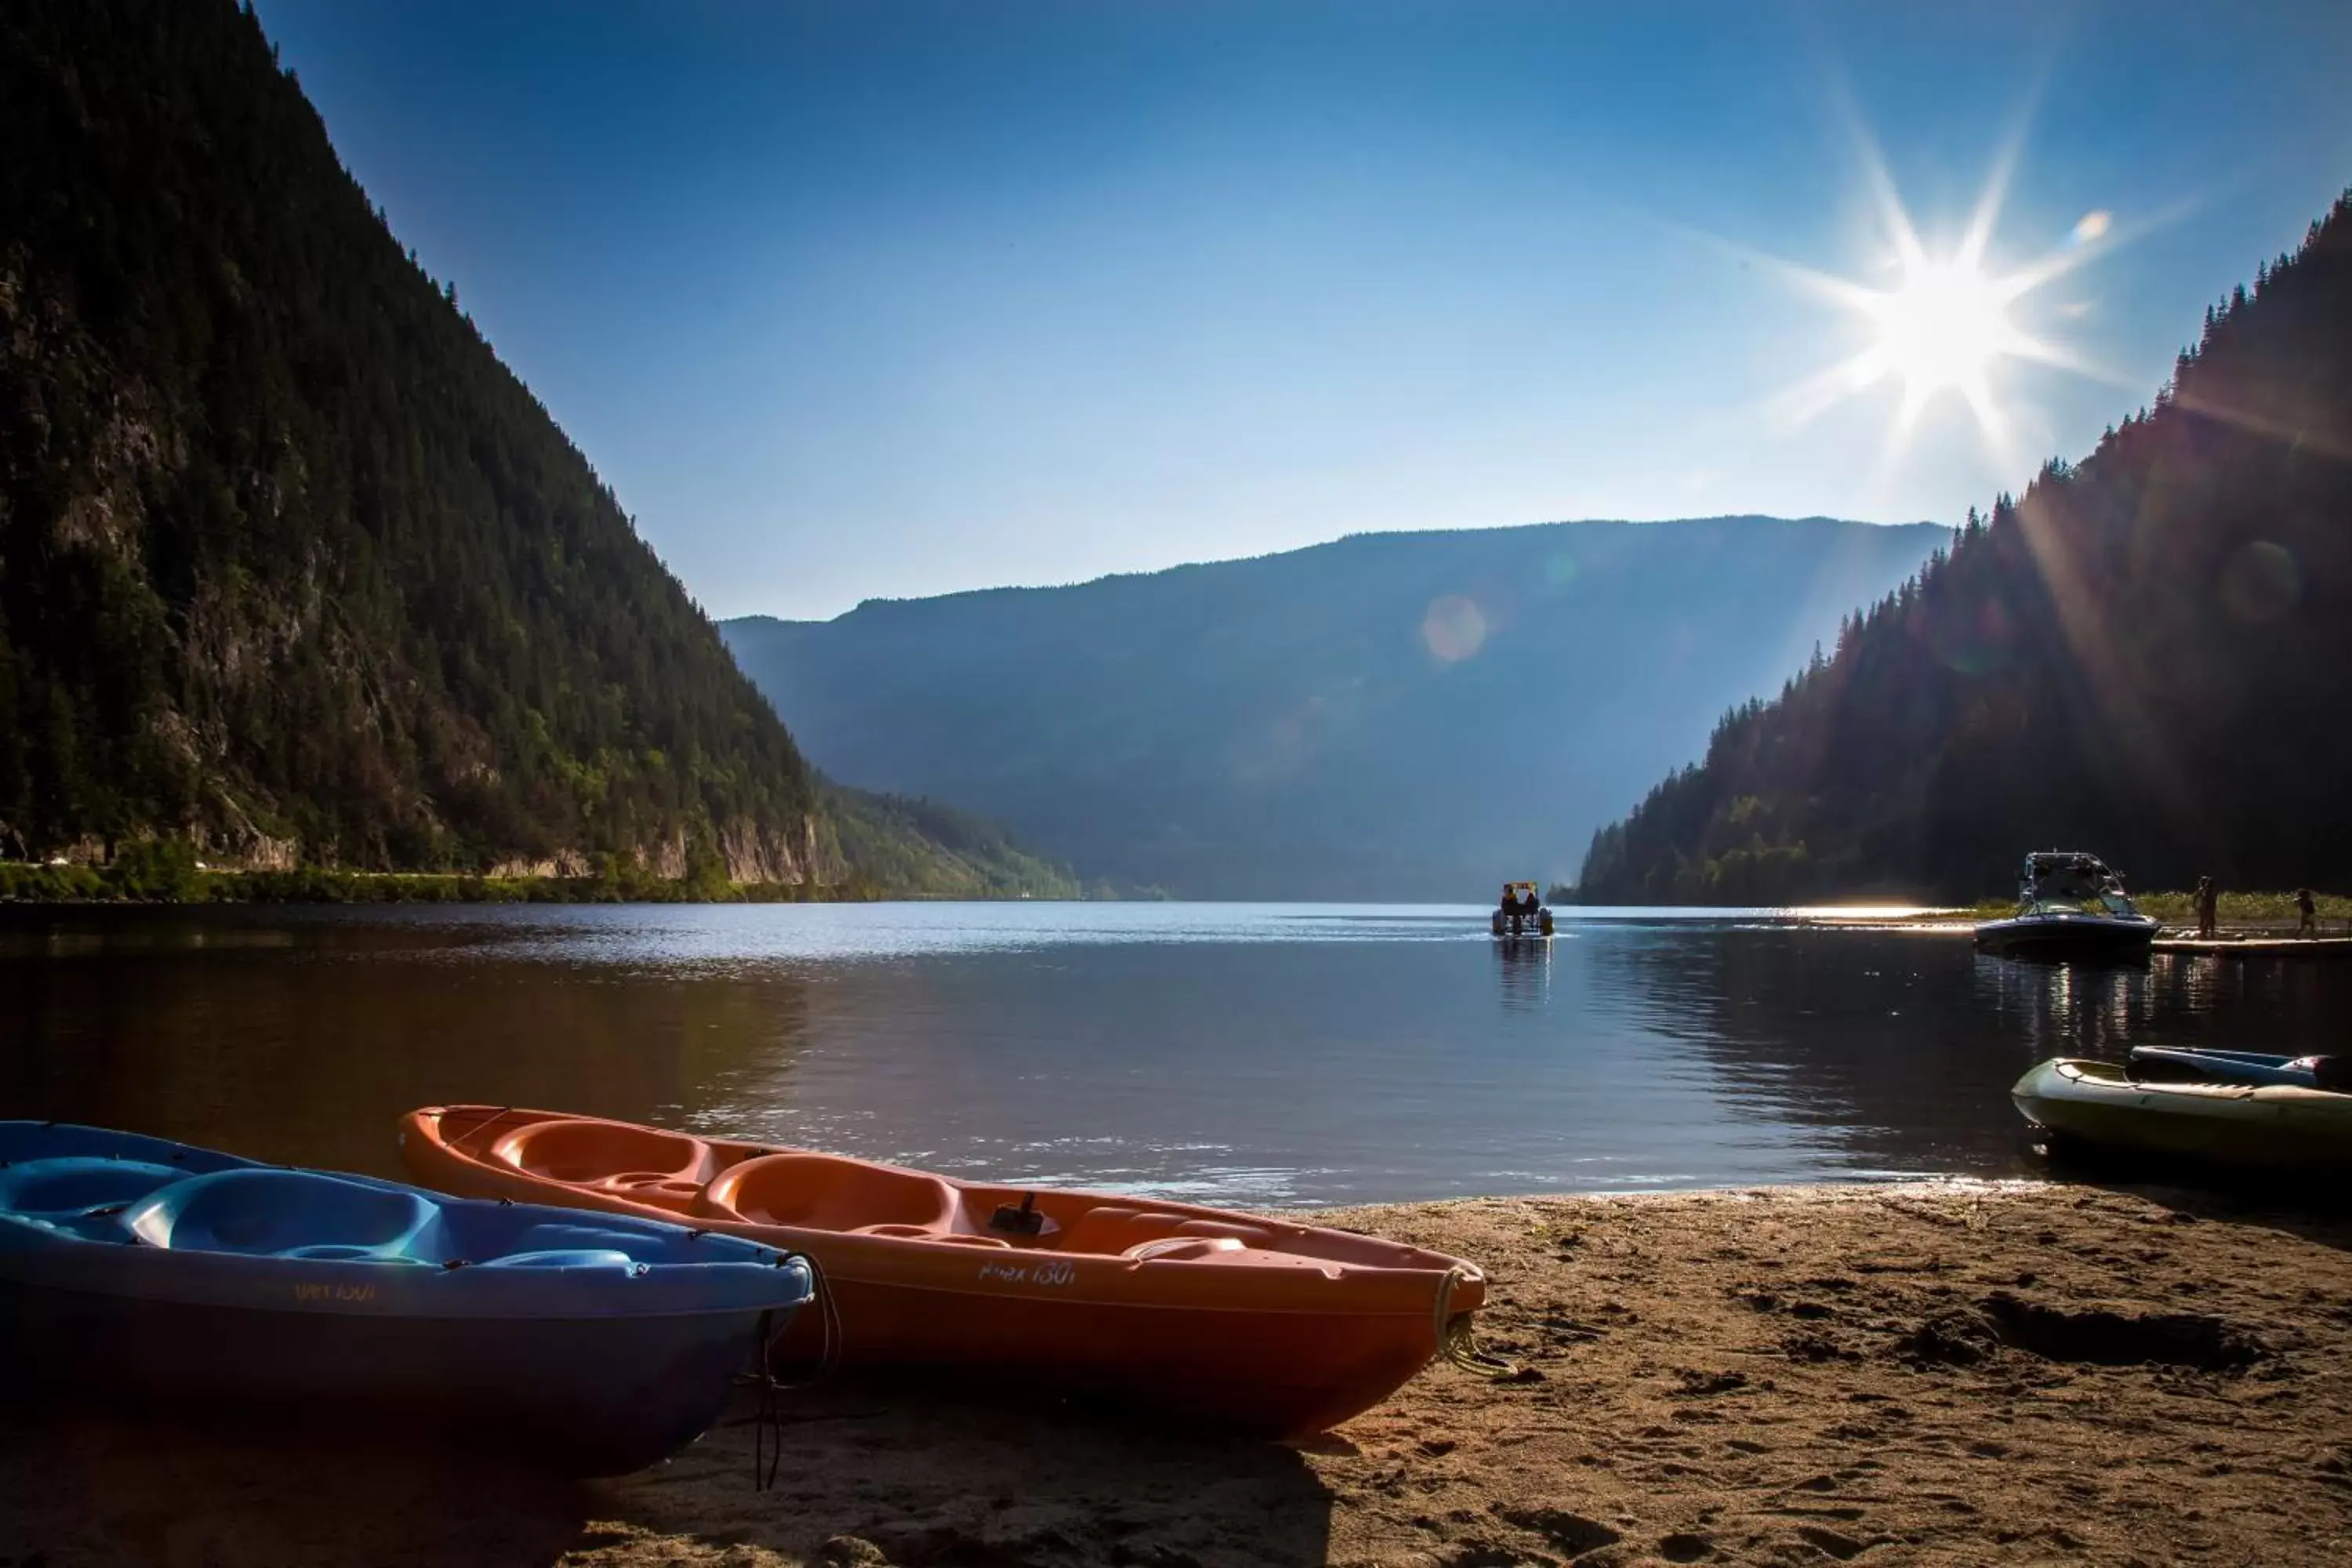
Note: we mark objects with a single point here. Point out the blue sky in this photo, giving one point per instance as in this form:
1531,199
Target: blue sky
893,299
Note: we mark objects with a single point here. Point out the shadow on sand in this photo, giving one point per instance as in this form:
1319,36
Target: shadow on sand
2314,1205
870,1475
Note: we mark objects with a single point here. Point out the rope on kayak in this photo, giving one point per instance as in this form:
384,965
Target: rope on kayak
770,1416
478,1128
1457,1336
764,1467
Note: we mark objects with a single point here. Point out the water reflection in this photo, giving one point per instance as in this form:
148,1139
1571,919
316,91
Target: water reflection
1524,971
1250,1054
305,1043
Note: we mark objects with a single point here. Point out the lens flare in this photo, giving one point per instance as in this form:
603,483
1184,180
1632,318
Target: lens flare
2261,582
1453,629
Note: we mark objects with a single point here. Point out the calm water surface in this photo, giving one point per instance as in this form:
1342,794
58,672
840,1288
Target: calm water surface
1250,1054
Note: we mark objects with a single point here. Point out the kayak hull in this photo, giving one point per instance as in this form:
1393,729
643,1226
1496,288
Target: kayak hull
199,1283
1269,1374
580,1396
2273,1126
1205,1315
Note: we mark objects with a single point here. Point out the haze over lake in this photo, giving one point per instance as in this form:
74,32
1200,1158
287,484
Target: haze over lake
1246,1054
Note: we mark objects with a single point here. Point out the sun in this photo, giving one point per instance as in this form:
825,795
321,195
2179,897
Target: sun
1942,329
1946,326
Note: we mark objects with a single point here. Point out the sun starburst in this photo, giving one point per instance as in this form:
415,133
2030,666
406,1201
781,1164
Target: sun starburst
1947,323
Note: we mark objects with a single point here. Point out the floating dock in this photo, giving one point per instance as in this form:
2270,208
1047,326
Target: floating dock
2256,946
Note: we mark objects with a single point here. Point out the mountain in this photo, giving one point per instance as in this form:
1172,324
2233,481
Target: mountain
1415,715
2148,656
288,560
898,844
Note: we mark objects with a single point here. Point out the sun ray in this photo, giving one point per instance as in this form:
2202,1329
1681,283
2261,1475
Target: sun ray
1800,404
1981,222
2058,356
1977,394
1909,253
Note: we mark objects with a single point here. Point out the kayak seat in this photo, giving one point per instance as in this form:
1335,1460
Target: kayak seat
596,1153
549,1236
510,1239
1119,1231
570,1257
660,1188
825,1191
1182,1248
287,1213
1115,1230
66,1188
930,1233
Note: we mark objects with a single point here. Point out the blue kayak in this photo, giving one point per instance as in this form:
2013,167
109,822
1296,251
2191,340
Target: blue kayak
2183,1064
594,1343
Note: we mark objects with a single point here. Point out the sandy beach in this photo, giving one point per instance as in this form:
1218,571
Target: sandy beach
1954,1374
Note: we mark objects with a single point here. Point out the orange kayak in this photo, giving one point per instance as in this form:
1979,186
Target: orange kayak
1270,1328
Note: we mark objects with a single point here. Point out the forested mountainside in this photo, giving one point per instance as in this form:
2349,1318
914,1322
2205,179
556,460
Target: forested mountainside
2148,656
288,560
895,843
287,556
1389,716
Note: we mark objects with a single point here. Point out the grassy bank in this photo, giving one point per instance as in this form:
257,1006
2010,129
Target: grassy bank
2236,909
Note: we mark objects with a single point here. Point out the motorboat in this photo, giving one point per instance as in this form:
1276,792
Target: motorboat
2070,905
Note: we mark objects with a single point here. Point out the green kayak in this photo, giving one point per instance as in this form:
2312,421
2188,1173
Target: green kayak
2234,1123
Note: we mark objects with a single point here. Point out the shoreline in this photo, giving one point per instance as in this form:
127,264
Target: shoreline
1937,1372
36,887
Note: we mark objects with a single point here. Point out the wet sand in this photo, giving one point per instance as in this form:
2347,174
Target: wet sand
1954,1374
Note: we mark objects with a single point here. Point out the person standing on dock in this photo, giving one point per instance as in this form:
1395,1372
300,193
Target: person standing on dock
2308,924
2209,905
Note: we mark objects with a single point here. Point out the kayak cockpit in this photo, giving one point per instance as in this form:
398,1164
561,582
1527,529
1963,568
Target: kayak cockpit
751,1185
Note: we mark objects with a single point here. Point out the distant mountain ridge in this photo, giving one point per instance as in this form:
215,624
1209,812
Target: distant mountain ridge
2148,656
1410,715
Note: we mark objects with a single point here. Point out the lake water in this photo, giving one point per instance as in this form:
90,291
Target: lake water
1252,1054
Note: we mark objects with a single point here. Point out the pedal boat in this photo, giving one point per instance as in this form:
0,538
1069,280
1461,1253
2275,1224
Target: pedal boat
1213,1317
2275,1125
138,1271
1520,918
